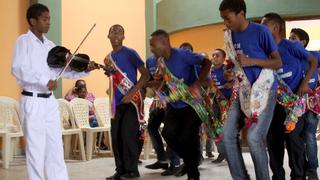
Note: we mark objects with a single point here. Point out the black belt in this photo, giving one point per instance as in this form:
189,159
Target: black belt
41,95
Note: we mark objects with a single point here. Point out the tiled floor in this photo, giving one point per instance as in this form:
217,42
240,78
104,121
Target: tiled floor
99,168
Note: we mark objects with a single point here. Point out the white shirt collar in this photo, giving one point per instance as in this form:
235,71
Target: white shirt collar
35,38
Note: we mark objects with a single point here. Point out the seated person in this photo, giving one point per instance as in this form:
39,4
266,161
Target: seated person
72,93
82,93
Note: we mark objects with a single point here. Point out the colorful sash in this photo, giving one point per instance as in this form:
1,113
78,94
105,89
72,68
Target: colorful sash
117,79
196,98
313,102
222,102
295,105
253,100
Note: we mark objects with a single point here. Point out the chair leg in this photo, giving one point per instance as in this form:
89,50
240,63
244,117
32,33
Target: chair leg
76,143
12,152
6,146
67,146
89,144
81,144
110,142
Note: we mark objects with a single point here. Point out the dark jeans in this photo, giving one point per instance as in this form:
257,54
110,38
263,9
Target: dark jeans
181,132
125,138
156,117
277,141
309,135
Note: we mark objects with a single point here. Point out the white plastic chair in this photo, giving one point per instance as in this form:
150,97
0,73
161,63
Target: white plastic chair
102,111
10,129
80,109
69,128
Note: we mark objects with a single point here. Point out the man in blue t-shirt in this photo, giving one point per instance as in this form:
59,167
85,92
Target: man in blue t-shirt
256,50
203,131
181,125
225,87
156,118
125,125
311,120
293,55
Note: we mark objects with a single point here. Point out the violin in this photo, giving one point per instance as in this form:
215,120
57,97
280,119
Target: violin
58,56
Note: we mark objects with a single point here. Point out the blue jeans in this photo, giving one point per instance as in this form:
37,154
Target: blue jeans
156,117
309,135
256,140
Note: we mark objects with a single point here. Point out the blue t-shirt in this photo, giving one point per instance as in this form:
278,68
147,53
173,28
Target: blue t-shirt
314,79
316,54
181,65
255,41
293,55
128,61
217,76
151,65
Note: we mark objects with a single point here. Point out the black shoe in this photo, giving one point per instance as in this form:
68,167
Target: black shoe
209,155
312,175
170,171
182,171
131,175
116,176
219,159
157,165
103,147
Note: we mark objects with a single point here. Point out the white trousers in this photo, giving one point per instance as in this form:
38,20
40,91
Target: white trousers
40,120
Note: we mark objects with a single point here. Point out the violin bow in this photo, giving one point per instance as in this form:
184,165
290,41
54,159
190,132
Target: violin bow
74,53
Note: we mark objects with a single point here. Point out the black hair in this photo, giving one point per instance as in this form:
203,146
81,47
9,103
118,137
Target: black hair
116,25
78,81
302,34
160,32
188,45
276,19
35,11
234,6
222,51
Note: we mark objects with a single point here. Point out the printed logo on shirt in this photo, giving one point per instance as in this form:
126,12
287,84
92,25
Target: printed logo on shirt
286,75
280,70
237,47
312,80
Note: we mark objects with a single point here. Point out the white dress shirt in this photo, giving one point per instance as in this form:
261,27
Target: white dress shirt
30,65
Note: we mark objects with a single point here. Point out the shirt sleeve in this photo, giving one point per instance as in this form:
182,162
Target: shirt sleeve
317,56
193,58
300,52
21,66
68,74
90,97
69,97
136,60
266,41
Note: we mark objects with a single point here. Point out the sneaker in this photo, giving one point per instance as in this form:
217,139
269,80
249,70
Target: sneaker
170,171
130,175
209,155
157,165
219,159
312,175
